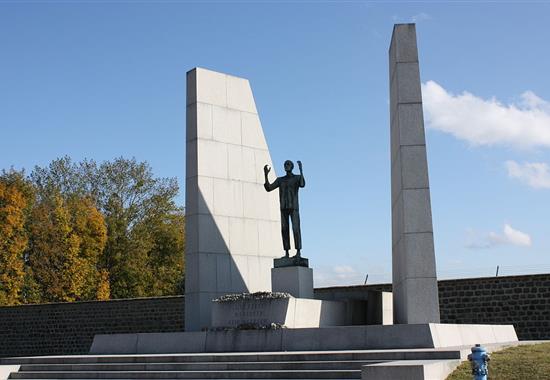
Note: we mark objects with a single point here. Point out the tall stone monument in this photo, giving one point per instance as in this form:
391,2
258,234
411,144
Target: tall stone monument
232,223
233,236
415,294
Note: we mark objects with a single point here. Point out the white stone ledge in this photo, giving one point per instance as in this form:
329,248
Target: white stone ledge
402,336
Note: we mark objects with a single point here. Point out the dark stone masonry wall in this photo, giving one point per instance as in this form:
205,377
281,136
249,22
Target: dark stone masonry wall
523,301
69,328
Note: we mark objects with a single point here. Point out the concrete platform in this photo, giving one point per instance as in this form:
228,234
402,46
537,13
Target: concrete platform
433,335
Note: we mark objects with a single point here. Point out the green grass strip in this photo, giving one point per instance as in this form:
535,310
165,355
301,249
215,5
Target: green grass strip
521,362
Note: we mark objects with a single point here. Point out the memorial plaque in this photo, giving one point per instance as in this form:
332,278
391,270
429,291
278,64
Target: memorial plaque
288,312
259,313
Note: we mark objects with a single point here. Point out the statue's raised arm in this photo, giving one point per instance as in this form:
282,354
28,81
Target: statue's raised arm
302,180
269,186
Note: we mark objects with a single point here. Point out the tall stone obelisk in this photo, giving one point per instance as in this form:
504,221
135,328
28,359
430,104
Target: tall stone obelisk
415,294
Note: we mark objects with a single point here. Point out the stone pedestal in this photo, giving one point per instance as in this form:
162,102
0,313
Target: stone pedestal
294,261
296,280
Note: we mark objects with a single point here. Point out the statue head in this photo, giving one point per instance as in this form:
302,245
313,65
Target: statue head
289,166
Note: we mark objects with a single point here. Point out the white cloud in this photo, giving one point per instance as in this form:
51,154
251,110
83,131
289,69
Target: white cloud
338,275
343,270
487,121
513,237
509,236
419,17
534,174
530,100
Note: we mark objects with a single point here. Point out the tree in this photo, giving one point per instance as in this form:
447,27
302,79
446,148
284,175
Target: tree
166,256
31,291
67,241
88,225
67,178
137,206
103,292
144,225
13,241
54,251
125,252
18,180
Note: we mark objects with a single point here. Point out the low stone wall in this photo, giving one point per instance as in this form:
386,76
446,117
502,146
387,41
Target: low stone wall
69,328
523,301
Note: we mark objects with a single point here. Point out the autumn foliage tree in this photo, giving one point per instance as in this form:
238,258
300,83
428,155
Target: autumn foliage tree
13,241
67,240
83,231
89,225
17,180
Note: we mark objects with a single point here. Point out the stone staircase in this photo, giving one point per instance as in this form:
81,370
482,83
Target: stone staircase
262,365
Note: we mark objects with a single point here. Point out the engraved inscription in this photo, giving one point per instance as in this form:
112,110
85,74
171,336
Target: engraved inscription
250,312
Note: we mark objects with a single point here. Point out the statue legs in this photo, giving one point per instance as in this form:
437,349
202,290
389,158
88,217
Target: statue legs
294,216
285,230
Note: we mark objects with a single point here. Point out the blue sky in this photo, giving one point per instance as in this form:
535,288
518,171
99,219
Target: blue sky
106,79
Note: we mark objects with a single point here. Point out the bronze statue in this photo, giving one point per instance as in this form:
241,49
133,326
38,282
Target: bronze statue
288,198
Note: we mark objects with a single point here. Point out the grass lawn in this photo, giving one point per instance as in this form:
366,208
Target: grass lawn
514,363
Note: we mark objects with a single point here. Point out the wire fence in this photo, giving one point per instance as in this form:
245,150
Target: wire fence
469,272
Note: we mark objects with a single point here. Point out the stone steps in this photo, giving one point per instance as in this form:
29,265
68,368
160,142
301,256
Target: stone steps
259,365
200,366
408,354
240,374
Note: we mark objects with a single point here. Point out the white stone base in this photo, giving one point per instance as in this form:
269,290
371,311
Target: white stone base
289,312
410,370
6,370
298,281
433,335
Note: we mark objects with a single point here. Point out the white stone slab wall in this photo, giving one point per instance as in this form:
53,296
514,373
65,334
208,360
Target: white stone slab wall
232,223
415,294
